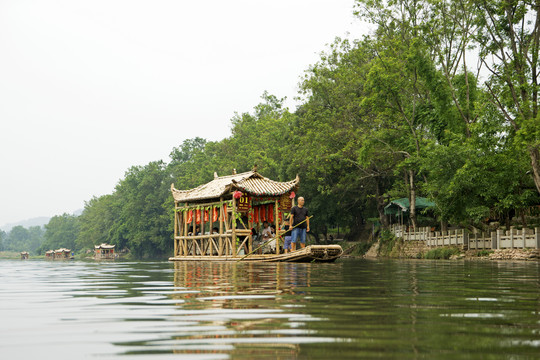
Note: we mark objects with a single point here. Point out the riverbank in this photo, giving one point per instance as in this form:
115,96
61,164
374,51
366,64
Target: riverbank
389,246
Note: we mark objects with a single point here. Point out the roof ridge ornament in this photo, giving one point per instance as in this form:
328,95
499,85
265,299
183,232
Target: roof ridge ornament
254,168
215,175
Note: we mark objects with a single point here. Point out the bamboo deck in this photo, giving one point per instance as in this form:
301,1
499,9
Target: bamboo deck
312,253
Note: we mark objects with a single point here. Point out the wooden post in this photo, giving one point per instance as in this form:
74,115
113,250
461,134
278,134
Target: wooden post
495,237
465,239
511,237
537,237
221,220
194,227
250,225
176,223
524,233
233,215
202,250
210,226
276,221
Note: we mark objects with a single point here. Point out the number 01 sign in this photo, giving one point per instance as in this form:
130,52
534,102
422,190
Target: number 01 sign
242,204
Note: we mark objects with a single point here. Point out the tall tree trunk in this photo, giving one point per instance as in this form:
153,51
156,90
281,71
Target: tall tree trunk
444,226
380,205
412,200
535,163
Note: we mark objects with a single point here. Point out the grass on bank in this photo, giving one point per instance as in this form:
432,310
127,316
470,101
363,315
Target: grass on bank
358,248
442,253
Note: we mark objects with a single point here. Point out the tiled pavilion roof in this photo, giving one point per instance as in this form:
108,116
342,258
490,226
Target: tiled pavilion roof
250,182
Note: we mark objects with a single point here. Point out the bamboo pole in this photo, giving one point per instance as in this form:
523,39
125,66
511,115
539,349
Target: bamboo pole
250,224
176,221
266,242
221,220
233,217
276,221
210,226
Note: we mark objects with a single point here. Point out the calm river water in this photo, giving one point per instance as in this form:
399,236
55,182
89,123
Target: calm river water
353,309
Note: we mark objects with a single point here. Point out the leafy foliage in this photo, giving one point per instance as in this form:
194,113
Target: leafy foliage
397,114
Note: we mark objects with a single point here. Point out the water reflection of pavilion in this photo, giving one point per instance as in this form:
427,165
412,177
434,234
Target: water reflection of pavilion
215,278
249,308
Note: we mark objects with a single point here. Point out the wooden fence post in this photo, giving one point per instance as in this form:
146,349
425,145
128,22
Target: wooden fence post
524,233
494,238
511,237
537,237
465,239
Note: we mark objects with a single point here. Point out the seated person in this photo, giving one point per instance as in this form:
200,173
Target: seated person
266,235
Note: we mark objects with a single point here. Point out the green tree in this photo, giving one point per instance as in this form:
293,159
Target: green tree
143,224
96,221
509,42
61,232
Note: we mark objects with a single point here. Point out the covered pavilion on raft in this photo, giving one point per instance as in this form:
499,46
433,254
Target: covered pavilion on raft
225,210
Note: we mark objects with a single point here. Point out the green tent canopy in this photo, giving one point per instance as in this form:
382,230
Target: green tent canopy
395,206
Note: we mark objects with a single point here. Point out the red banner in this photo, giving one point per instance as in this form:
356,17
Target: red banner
214,214
190,217
270,213
256,214
206,217
198,216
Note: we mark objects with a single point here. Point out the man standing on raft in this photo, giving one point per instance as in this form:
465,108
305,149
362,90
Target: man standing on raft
299,221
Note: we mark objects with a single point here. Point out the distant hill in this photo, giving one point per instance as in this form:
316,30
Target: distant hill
38,221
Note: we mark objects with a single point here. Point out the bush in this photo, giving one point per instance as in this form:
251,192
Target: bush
482,253
387,243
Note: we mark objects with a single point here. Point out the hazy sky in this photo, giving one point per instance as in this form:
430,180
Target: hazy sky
91,88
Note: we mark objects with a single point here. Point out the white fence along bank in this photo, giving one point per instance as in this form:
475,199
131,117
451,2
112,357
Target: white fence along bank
500,239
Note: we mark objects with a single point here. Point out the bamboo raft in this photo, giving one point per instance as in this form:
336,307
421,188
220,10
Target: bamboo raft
311,253
216,221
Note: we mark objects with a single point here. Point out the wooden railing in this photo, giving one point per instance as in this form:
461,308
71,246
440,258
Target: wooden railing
500,239
214,244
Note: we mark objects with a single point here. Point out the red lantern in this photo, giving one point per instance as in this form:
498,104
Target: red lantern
292,195
190,216
206,217
198,216
237,194
214,214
